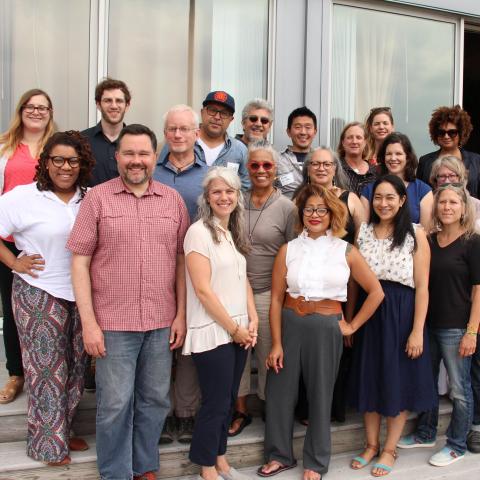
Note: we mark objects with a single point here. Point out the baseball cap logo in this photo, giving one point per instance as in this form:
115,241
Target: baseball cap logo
220,97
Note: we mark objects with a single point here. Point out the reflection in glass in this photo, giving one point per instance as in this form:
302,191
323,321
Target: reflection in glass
389,59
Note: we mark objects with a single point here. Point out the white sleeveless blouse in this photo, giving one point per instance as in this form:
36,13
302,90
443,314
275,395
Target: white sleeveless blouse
317,269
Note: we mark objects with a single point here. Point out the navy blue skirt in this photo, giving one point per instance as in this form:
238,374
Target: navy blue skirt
383,378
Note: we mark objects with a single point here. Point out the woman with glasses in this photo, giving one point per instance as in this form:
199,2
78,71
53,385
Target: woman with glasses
20,146
40,216
352,150
379,124
307,328
397,157
391,373
450,169
270,223
452,319
450,128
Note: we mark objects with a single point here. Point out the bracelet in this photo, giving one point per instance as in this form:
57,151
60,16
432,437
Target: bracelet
471,332
235,331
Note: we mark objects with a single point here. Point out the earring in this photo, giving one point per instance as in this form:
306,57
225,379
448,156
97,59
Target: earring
462,219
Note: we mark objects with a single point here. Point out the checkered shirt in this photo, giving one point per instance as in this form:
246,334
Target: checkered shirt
133,243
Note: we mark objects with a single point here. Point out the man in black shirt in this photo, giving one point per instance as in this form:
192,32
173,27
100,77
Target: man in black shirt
112,98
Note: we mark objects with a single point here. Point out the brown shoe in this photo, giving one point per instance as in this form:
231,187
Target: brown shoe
11,389
76,444
66,461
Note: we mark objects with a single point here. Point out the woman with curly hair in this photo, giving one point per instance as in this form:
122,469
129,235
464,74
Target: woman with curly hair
450,128
32,125
40,216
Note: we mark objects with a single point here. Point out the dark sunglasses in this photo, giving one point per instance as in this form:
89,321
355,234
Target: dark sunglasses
254,119
452,133
380,109
257,165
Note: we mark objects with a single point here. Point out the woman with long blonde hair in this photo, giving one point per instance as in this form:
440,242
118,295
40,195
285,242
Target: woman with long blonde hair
20,146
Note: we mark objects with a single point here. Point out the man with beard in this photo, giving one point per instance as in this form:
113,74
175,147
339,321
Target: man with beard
112,98
257,119
128,275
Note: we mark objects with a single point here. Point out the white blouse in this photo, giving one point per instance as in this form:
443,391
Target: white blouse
41,223
317,269
228,281
394,265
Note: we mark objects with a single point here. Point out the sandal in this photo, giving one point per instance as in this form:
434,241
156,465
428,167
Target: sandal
77,444
245,421
386,468
280,468
66,461
363,462
11,389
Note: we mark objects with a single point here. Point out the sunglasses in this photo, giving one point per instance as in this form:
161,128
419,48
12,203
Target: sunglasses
263,120
452,133
380,109
254,166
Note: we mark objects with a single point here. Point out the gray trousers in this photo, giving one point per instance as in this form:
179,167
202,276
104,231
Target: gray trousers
312,347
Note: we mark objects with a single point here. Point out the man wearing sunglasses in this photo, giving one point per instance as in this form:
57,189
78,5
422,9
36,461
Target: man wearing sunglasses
302,130
257,119
214,144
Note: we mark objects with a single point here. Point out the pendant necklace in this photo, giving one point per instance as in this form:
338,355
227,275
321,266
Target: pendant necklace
250,232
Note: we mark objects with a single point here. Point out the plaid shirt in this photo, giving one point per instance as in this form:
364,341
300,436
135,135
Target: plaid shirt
133,243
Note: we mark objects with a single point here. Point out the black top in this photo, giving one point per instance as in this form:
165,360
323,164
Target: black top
454,269
104,153
356,181
471,161
350,226
300,156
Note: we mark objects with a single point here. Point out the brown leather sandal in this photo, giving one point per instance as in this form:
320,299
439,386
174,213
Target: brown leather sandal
363,462
11,389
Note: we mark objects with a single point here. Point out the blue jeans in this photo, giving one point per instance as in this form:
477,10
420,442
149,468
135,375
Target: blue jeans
476,384
133,382
444,344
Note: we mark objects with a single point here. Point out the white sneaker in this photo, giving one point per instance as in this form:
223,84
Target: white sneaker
446,456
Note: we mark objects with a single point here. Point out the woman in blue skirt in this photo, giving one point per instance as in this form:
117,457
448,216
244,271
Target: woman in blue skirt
392,374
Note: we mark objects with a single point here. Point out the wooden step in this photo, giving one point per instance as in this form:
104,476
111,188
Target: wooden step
245,450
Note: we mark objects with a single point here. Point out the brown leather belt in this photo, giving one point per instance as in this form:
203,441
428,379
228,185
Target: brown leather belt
305,307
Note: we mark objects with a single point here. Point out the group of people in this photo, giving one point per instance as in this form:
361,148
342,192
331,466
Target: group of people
350,274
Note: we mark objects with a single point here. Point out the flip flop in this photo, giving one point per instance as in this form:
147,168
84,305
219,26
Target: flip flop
245,421
281,468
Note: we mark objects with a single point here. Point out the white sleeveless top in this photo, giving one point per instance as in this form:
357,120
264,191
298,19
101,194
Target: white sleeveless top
317,269
394,265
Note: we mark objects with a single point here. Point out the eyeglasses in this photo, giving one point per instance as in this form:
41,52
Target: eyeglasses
320,211
42,109
182,130
447,177
59,162
224,114
452,133
317,165
255,118
254,166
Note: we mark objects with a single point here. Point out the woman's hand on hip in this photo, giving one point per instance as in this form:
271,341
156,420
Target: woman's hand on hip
414,348
275,359
29,264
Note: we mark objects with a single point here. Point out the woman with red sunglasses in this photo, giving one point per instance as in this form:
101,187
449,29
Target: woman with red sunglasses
450,128
270,222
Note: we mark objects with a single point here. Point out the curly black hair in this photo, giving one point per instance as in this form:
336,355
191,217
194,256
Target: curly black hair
70,138
456,115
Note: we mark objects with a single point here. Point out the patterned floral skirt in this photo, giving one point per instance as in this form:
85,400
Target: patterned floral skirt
54,359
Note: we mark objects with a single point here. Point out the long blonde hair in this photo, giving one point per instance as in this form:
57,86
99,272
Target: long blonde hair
10,140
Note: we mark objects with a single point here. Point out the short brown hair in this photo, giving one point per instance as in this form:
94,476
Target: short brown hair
112,84
456,115
338,211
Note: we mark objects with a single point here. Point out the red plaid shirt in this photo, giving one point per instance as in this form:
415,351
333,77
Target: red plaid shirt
133,243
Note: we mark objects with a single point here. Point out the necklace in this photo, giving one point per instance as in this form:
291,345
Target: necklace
250,231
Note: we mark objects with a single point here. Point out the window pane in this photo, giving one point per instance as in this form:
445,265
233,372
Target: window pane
176,52
385,59
46,45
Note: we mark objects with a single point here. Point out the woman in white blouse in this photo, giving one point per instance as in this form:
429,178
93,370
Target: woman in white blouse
309,281
392,373
221,319
40,216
